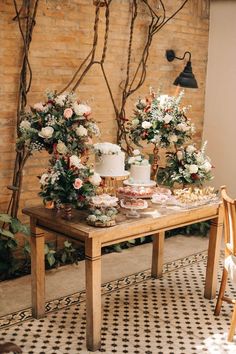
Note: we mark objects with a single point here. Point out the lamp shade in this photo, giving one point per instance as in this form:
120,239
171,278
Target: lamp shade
186,78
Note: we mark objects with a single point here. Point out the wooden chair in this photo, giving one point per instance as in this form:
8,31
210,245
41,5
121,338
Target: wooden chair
229,270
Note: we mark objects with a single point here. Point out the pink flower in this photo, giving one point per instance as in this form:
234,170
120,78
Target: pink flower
68,112
39,107
78,183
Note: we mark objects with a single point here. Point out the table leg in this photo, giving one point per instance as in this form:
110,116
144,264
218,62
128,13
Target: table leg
157,254
37,272
93,293
215,239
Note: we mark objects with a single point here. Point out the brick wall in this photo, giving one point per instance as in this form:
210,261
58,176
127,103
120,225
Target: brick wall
61,40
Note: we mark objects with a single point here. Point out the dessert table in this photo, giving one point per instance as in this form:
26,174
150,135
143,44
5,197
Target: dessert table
154,221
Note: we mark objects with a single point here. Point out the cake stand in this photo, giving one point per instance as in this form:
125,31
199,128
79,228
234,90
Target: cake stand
128,182
133,210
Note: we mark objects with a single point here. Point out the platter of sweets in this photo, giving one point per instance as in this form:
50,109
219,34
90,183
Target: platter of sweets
104,200
133,204
193,197
135,192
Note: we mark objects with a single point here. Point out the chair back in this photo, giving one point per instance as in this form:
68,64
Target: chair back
229,221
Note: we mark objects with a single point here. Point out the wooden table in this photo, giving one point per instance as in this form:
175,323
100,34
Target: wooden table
94,239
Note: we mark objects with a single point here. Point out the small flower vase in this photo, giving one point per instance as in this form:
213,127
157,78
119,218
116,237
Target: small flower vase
67,213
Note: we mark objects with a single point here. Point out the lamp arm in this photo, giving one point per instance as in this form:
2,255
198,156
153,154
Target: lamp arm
184,56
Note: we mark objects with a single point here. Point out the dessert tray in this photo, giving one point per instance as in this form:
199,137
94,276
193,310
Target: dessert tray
186,198
133,205
135,192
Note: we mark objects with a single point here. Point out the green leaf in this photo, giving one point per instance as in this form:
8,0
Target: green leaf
64,257
27,247
132,242
15,225
7,233
67,244
51,259
5,218
46,249
117,248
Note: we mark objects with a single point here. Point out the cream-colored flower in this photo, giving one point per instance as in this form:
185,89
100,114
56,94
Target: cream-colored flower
61,148
193,168
39,107
46,132
81,131
146,125
75,161
60,100
95,179
182,127
206,166
44,179
131,160
173,138
81,109
163,99
167,118
25,124
190,149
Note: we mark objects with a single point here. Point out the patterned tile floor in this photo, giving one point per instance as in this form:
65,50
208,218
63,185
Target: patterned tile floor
140,316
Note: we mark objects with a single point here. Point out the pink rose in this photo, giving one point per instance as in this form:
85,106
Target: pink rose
39,107
78,183
68,113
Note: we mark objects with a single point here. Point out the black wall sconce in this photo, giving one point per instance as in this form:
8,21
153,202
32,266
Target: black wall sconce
186,78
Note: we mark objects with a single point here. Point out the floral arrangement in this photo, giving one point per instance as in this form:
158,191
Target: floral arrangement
62,125
67,180
137,159
187,165
161,120
103,210
106,149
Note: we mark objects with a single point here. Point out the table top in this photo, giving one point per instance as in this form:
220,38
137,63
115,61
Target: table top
154,219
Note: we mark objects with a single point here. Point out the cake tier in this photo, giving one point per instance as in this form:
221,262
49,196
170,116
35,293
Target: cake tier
110,165
140,173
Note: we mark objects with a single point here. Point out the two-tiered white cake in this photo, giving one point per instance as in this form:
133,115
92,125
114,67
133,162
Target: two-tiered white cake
109,160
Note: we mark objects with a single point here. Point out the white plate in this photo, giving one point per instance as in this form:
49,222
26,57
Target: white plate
123,175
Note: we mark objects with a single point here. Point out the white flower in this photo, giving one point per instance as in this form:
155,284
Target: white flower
163,99
81,131
200,158
60,100
94,129
81,109
173,138
25,124
167,118
135,122
206,166
107,148
146,125
182,127
46,132
131,160
75,161
192,168
156,139
44,179
136,152
138,158
179,155
190,149
61,148
95,179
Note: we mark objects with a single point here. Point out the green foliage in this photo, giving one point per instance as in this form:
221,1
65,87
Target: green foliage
8,244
